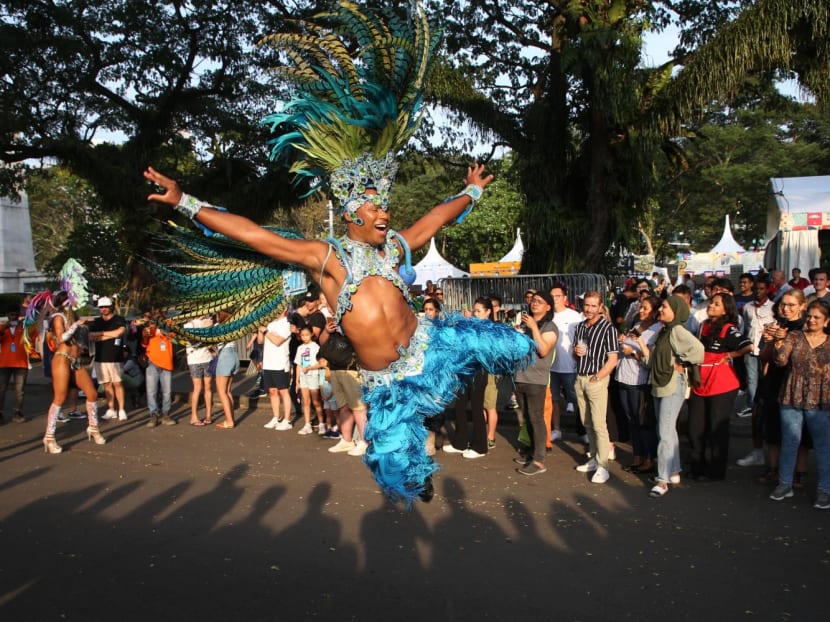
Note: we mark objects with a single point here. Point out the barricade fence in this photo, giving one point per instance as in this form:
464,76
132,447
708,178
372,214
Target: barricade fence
459,294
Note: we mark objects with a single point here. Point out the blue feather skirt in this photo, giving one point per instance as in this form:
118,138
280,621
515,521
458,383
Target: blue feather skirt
442,358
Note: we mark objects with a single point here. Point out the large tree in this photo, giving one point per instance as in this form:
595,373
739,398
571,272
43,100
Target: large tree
561,82
160,80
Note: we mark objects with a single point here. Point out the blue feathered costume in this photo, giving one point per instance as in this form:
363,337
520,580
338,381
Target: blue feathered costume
442,358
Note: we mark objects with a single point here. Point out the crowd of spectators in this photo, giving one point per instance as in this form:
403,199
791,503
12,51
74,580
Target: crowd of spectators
620,370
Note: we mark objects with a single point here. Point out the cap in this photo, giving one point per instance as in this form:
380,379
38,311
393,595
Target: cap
104,301
310,297
546,297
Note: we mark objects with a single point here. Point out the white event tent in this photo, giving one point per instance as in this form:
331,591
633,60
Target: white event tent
433,267
517,252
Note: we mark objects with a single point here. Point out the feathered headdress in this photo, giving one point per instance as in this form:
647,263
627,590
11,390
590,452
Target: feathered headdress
352,111
72,281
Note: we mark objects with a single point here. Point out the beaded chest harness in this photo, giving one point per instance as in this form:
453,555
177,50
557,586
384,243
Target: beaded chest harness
363,260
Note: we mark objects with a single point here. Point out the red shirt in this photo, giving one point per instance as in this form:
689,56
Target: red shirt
12,349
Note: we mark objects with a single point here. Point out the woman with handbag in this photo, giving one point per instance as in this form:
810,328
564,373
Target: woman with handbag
713,400
674,350
634,388
805,397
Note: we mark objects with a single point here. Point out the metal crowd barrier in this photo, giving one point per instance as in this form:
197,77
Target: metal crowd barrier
461,293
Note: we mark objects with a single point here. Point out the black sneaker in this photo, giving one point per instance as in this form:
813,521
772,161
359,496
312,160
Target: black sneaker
76,415
523,460
532,469
63,418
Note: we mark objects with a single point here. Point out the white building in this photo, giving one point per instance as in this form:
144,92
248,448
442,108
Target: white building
17,257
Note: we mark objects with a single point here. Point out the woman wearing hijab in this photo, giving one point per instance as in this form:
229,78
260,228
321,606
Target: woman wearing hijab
675,349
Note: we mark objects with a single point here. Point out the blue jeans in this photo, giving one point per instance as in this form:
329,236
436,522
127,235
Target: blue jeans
668,449
154,376
752,366
818,422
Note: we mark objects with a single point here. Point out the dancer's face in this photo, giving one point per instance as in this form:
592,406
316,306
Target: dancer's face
375,223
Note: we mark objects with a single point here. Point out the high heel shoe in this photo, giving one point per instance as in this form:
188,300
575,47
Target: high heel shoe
92,433
50,446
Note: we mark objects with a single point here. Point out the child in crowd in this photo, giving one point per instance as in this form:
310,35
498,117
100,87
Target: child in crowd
308,378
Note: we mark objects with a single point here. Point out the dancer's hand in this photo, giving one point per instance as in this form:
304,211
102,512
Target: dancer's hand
475,175
172,193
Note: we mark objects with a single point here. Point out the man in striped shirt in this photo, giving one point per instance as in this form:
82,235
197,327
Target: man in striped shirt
596,358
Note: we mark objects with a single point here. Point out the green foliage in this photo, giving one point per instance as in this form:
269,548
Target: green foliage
731,161
486,234
67,221
167,79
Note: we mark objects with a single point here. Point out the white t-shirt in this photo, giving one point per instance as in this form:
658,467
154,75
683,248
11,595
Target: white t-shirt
277,358
306,354
197,356
566,321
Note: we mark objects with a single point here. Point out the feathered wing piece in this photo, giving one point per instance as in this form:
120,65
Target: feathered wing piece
206,276
352,112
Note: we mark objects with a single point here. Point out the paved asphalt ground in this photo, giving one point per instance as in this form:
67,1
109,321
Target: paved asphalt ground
186,523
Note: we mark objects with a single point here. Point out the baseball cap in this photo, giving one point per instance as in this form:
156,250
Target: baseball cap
310,297
104,301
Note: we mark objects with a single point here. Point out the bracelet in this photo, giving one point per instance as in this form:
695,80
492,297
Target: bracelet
190,206
474,192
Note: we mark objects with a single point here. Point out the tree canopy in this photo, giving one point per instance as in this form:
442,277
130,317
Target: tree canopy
561,82
593,133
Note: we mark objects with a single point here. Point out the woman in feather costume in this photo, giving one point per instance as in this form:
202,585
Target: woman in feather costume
342,130
61,339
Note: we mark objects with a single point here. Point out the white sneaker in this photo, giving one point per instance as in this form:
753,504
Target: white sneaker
272,424
342,445
601,476
283,425
306,429
569,408
589,466
447,448
753,458
122,415
555,435
359,448
321,429
472,454
110,414
746,412
612,453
